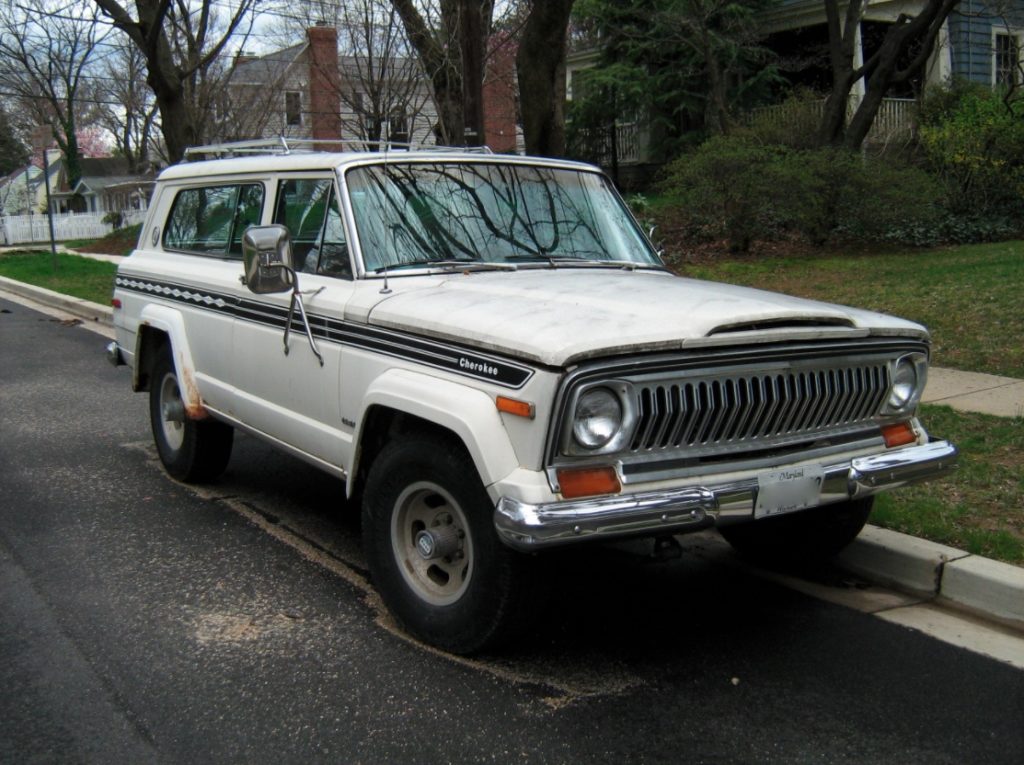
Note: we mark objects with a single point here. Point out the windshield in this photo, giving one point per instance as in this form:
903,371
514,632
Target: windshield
418,213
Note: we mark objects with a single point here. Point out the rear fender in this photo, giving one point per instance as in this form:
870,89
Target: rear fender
168,321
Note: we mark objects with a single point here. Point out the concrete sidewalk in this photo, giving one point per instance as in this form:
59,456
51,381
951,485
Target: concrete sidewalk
975,392
933,572
966,391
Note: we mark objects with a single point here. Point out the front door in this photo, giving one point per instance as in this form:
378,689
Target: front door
292,396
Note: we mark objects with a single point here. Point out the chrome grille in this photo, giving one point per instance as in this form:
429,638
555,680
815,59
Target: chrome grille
746,407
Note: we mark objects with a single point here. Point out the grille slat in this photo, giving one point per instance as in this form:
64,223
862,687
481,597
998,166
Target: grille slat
753,407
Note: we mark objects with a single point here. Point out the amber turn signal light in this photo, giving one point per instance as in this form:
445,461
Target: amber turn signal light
588,481
514,406
899,434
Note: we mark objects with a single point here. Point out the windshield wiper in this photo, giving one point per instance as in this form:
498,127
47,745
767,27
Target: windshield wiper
575,260
448,264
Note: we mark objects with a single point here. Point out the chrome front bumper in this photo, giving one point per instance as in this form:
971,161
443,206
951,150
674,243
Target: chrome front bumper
526,526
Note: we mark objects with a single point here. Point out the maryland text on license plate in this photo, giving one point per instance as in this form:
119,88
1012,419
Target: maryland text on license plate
785,491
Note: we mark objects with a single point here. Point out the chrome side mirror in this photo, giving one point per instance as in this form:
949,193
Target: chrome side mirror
267,254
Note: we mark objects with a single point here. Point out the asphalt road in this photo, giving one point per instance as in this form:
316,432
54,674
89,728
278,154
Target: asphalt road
145,621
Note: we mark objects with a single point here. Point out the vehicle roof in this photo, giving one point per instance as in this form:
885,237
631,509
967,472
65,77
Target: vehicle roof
323,160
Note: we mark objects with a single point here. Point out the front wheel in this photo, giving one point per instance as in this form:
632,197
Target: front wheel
809,536
433,552
190,450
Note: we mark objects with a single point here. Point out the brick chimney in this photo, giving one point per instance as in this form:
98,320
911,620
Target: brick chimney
324,83
500,95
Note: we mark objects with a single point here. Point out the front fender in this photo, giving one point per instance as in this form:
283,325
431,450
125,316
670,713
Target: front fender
468,412
169,321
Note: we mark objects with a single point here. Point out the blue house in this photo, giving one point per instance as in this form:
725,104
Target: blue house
985,41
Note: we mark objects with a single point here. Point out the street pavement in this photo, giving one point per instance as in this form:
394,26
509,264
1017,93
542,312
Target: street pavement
142,620
989,589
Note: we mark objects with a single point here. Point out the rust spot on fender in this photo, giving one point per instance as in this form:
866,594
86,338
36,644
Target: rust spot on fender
194,408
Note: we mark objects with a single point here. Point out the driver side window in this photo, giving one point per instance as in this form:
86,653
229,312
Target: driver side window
309,208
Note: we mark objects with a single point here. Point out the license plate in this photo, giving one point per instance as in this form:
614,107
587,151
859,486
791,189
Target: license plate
786,491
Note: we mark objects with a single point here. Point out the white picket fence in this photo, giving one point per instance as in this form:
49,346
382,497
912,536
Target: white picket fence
28,229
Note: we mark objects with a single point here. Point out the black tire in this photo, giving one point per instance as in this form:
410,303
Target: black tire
479,593
809,536
190,450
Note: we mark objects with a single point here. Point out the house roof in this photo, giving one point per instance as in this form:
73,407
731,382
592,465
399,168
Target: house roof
266,69
97,184
103,167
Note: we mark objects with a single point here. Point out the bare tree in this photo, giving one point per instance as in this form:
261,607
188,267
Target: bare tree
182,42
125,106
450,38
903,53
46,48
382,86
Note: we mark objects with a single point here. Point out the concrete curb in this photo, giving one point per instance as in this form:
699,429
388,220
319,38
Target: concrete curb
83,309
990,589
987,588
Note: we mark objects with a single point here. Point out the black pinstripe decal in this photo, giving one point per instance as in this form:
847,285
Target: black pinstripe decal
447,356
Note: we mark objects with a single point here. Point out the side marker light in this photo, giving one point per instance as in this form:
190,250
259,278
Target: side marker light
588,481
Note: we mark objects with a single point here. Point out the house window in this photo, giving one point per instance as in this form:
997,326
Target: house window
398,128
1007,60
292,107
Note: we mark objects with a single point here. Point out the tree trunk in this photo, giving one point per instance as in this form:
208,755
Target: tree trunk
540,67
472,43
915,34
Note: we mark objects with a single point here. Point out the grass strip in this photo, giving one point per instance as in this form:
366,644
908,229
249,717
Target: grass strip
980,507
970,297
80,277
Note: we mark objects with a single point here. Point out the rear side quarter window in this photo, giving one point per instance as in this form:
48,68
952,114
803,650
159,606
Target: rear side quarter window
211,220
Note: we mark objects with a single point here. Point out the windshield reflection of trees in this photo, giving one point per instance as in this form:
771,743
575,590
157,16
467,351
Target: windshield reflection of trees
483,212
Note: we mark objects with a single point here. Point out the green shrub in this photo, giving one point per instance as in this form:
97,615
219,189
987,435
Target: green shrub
728,187
744,190
114,218
973,140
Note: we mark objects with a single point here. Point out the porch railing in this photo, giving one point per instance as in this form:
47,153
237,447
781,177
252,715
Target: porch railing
893,122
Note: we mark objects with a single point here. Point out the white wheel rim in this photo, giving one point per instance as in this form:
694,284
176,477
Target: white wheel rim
423,506
170,401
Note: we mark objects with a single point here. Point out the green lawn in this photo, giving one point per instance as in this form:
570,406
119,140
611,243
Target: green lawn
81,277
980,507
967,295
970,297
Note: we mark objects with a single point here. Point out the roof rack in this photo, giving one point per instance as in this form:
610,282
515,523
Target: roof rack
282,146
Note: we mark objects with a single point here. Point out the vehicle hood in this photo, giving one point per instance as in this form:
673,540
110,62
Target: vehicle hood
560,316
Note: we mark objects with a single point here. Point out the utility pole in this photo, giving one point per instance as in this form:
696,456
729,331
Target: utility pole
28,203
49,207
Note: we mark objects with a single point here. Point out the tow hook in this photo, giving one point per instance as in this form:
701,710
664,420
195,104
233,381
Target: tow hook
666,548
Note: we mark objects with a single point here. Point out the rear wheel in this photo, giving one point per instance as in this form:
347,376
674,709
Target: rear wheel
433,552
810,536
190,450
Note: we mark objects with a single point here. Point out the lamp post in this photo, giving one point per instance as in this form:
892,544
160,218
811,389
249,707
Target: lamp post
49,207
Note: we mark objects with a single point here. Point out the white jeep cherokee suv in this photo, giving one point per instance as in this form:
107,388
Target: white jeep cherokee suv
493,357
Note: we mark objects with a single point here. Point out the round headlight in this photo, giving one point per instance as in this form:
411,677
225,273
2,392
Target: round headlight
597,419
904,383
